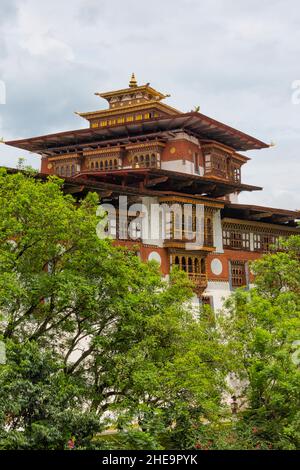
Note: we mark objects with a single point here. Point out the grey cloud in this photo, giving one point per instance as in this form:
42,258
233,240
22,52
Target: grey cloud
8,10
237,60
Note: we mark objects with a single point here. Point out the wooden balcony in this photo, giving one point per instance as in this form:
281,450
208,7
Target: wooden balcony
180,239
194,266
234,177
200,280
146,164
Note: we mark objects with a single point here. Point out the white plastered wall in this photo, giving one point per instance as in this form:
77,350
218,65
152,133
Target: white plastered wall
219,290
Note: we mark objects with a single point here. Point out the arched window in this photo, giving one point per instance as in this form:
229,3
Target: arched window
97,165
72,170
197,266
190,265
92,165
203,270
106,164
183,265
177,261
101,165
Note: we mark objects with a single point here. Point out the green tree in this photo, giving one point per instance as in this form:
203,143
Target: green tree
117,341
41,407
262,330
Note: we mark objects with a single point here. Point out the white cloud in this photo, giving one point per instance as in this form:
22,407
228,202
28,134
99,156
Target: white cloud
38,44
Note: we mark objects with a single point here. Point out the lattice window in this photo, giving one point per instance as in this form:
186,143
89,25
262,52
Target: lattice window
190,264
246,241
104,163
238,273
237,240
194,266
145,161
226,238
216,164
236,174
65,170
257,241
184,226
208,232
266,242
264,238
220,163
208,165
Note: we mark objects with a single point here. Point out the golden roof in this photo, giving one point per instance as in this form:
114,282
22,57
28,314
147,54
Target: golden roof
133,87
119,111
133,98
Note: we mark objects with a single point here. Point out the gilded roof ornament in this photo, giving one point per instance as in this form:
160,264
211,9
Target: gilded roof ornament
133,82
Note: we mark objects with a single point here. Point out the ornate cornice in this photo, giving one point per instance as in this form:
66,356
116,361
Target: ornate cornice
240,224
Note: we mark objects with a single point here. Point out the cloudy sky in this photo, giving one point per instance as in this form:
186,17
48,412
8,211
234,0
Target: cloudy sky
237,59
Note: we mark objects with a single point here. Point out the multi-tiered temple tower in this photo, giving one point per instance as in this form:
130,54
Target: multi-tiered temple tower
153,154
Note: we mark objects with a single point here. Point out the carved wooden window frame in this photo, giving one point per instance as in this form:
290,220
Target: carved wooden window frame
238,273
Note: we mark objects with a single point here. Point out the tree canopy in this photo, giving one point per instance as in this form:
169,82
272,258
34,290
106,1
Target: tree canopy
95,338
262,330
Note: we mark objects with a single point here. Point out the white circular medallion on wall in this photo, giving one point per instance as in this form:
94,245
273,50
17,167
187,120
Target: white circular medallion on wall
216,267
154,256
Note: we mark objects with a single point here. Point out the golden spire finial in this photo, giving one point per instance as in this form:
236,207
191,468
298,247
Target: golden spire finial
133,82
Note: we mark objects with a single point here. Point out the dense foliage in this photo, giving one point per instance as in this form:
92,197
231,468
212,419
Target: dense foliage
101,352
262,328
95,339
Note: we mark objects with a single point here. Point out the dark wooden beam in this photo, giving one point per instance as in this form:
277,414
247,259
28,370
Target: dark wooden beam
281,219
261,215
73,189
184,184
155,181
107,193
